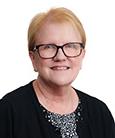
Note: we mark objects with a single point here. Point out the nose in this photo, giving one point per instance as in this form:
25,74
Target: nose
60,55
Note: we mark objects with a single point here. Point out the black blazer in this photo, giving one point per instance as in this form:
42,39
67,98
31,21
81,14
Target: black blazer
21,117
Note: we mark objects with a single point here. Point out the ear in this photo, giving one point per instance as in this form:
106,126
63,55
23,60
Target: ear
33,60
83,53
31,55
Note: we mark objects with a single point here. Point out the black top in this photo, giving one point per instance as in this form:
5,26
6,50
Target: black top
21,116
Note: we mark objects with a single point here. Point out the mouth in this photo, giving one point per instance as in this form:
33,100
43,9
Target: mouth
60,68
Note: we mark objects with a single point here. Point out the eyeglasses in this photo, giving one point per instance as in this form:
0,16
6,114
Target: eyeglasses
71,50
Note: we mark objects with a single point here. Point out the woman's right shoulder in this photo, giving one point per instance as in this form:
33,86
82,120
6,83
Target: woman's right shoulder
17,95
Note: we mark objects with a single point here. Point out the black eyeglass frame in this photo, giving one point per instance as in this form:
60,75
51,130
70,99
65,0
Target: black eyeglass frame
36,48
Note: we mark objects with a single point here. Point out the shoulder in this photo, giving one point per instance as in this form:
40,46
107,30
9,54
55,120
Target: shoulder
17,96
18,103
98,114
91,101
95,107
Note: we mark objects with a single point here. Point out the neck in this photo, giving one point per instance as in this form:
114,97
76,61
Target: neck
60,100
53,92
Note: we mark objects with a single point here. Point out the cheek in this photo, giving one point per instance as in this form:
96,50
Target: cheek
78,60
41,64
76,64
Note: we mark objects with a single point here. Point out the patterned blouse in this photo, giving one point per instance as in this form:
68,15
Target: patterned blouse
66,124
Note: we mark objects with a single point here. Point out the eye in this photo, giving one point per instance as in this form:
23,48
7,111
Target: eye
72,45
49,46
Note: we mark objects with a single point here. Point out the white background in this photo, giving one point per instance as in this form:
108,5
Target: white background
97,76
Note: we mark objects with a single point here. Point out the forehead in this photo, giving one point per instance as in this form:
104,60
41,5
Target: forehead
57,33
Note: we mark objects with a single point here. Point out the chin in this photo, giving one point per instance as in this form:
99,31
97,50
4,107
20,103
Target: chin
62,81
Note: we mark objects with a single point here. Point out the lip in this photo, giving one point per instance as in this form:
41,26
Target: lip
60,67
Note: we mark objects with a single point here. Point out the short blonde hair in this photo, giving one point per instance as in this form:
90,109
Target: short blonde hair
57,15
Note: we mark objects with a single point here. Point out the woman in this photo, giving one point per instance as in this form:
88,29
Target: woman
49,107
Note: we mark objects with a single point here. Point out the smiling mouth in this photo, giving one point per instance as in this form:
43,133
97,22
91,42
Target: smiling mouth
60,68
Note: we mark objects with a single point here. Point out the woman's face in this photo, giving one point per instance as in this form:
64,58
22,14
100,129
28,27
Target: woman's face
60,70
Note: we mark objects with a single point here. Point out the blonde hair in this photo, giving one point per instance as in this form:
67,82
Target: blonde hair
57,15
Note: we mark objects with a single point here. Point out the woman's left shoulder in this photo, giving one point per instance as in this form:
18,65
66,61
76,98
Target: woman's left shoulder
98,115
95,106
91,101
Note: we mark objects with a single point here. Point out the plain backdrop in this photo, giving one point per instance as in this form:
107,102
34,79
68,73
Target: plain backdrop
97,76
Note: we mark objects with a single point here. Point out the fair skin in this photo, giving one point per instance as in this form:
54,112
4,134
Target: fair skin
53,85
